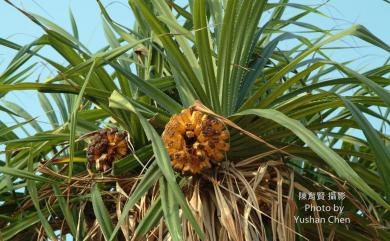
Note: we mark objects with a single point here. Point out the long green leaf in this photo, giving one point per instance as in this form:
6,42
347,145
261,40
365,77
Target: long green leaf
224,53
101,212
356,30
339,165
150,219
377,146
66,210
162,158
32,189
25,174
205,54
193,88
73,120
150,178
171,210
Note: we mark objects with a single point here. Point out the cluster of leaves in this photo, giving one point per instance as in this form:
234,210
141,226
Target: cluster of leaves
209,51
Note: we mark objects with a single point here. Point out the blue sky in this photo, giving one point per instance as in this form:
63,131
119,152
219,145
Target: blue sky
374,14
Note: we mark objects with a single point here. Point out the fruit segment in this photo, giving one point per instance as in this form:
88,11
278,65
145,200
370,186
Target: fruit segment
106,146
194,141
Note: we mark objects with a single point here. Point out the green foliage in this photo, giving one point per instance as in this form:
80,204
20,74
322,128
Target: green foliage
309,107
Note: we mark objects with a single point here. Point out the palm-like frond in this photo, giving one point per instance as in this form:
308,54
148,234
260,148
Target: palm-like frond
292,115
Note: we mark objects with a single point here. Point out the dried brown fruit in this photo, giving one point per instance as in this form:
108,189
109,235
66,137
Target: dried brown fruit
107,145
195,140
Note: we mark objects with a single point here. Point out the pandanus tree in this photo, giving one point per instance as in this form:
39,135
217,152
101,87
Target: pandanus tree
195,125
